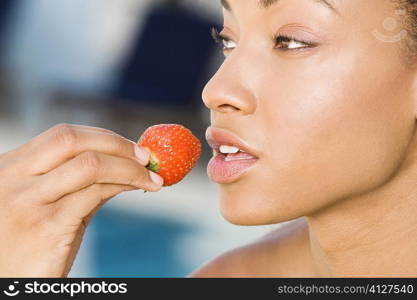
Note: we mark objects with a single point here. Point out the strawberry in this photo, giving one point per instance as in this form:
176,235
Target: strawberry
174,151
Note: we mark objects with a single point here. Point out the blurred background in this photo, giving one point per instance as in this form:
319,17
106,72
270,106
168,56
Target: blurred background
122,65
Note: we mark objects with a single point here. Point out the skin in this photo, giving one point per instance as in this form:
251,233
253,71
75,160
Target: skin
335,129
334,126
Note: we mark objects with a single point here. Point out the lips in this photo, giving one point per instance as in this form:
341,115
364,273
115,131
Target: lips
216,137
227,168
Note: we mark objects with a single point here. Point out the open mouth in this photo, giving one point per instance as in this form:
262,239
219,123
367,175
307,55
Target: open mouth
232,156
229,163
231,153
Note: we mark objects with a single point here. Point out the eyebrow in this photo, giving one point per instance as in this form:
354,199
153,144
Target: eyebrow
268,3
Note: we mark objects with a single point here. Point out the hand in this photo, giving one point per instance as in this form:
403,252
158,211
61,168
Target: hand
52,186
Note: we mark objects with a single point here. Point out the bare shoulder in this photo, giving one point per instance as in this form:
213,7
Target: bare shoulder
281,253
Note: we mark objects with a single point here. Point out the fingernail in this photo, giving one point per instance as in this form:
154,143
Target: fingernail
156,178
142,155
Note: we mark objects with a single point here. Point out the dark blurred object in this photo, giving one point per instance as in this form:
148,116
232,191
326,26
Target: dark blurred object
168,60
5,12
6,8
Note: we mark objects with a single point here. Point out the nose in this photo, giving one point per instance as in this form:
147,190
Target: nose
228,91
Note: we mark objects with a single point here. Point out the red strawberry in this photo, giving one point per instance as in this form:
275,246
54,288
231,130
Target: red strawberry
174,151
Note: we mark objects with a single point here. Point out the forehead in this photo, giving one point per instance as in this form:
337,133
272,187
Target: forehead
265,4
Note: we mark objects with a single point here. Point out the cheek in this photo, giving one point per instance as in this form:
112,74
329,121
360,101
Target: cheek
344,131
327,137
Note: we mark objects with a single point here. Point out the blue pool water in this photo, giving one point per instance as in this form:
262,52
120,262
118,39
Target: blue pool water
132,245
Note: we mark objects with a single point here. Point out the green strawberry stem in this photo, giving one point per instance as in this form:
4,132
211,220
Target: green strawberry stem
153,166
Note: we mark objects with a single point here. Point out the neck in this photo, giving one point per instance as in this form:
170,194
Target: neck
370,235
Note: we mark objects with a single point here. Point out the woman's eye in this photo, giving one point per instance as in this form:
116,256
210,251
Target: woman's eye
281,42
228,44
288,43
224,42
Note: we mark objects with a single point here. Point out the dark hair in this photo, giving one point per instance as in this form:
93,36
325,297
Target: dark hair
410,23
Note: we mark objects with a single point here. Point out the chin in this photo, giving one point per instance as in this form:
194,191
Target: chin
240,204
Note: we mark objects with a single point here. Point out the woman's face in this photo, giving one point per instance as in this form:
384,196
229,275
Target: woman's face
330,112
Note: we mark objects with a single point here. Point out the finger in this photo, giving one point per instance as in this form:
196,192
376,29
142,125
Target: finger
28,147
63,142
78,208
94,167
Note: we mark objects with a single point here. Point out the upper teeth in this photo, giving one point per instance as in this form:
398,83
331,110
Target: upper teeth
228,149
